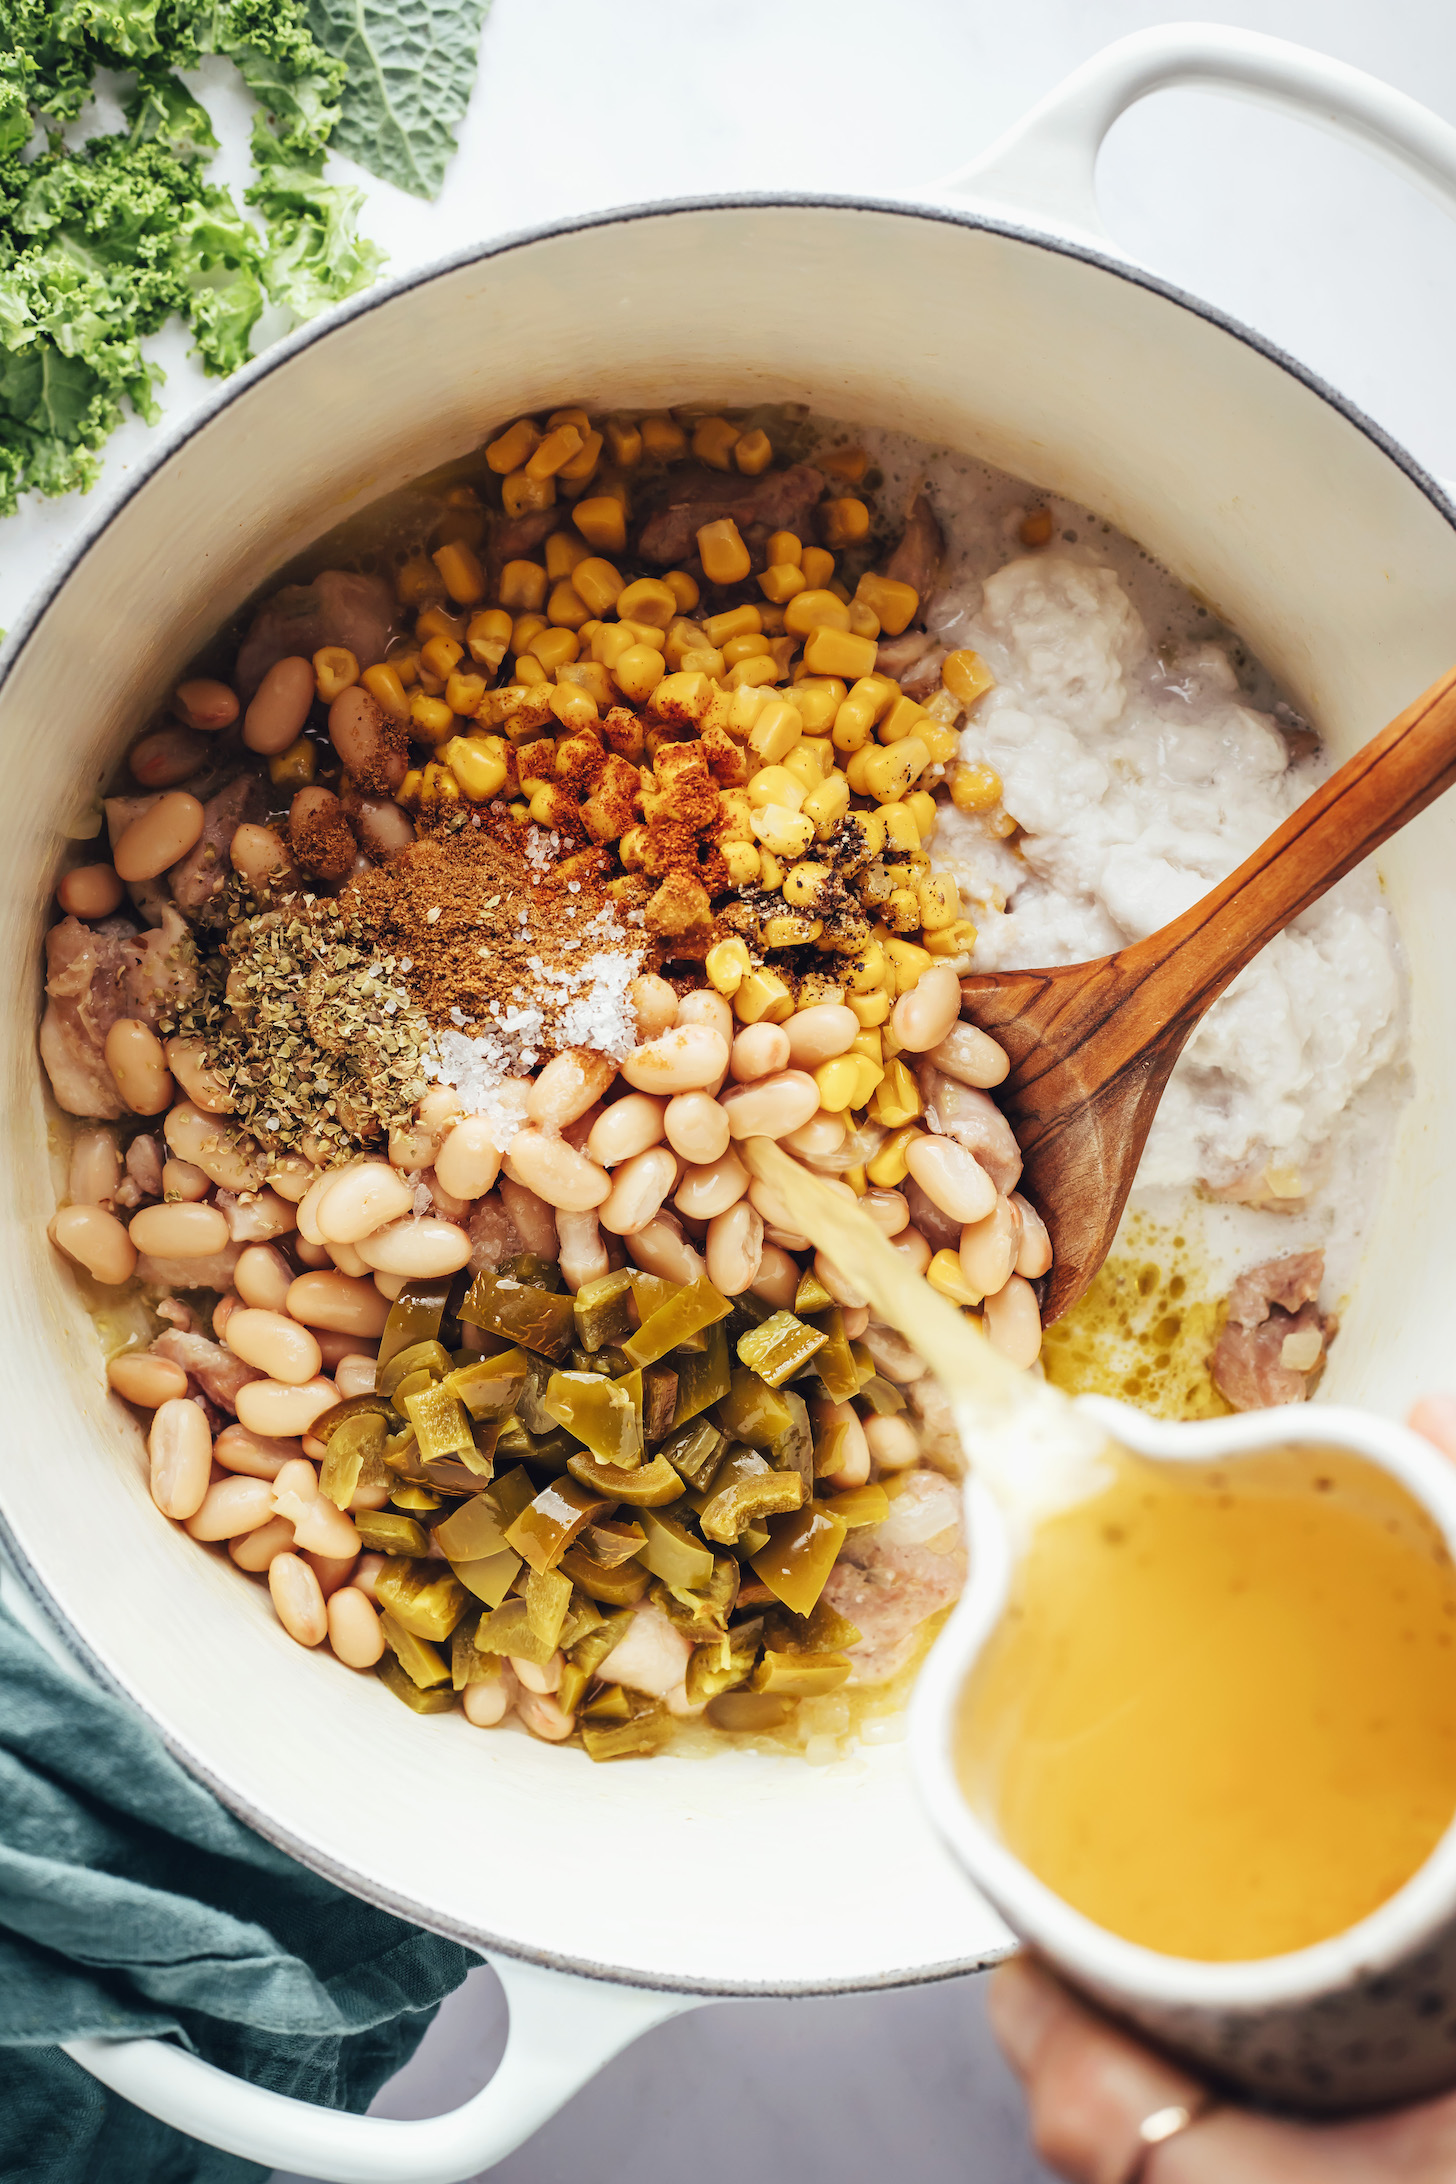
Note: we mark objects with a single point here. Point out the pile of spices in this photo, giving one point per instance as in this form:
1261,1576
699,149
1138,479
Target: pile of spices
309,1024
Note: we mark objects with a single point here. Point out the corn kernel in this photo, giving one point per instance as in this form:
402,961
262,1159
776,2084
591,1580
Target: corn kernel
551,805
591,677
579,467
957,939
416,581
632,849
966,676
465,693
431,716
784,550
727,964
849,463
907,962
440,656
566,609
747,647
902,717
478,763
684,589
650,601
408,792
515,447
435,622
862,622
817,988
864,972
524,628
895,604
940,901
645,633
713,441
602,522
530,671
722,552
775,785
975,786
610,642
802,762
901,832
663,438
743,862
704,662
562,552
897,1102
438,785
334,669
554,451
791,929
805,885
522,495
638,671
780,581
763,998
488,637
939,741
923,809
460,572
838,652
809,610
886,772
574,707
577,417
293,768
624,443
848,1081
844,522
901,911
782,831
596,584
753,452
827,804
854,723
756,673
818,698
817,565
870,1008
742,621
777,730
384,686
944,1273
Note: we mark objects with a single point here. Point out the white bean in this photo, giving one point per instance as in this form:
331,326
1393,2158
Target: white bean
263,1277
291,1178
256,1550
637,1191
734,1249
337,1302
840,1288
231,1507
705,1006
354,1628
697,1127
203,1086
158,837
367,1572
971,1057
346,1258
630,1125
273,1342
758,1051
854,1318
893,1442
581,1254
183,1182
179,1232
468,1161
260,856
298,1599
1034,1252
223,1311
853,1467
927,1014
320,1527
542,1678
90,891
383,830
228,1158
571,1082
96,1240
95,1168
912,1246
487,1702
256,1216
817,1034
280,707
332,1571
566,1180
206,704
950,1177
777,1280
252,1454
359,733
772,1107
355,1374
705,1191
661,1248
682,1060
1013,1322
988,1249
278,1410
817,1139
362,1198
180,1447
531,1218
654,1004
887,1209
542,1716
138,1064
147,1381
419,1250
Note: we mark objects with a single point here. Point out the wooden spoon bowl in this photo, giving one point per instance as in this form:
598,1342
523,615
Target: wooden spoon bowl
1092,1045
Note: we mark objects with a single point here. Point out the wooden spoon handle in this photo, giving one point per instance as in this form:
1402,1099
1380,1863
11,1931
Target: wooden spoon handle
957,1353
1184,967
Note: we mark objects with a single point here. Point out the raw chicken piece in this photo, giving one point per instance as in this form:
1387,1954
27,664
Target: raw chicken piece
339,607
206,869
86,967
779,500
890,1577
208,1365
1270,1306
162,973
916,559
213,1272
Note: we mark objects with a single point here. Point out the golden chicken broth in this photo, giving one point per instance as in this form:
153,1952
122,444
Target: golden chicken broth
1219,1716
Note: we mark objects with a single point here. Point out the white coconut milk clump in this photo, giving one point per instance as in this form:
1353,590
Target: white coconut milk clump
1144,756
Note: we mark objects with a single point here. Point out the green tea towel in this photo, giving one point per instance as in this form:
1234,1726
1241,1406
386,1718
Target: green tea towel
132,1902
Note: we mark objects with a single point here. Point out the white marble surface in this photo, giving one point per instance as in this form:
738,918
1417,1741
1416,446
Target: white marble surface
583,105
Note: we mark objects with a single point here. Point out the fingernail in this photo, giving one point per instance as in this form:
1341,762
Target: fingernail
1023,2005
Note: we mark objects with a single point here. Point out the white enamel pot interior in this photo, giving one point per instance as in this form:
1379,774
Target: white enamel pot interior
1320,542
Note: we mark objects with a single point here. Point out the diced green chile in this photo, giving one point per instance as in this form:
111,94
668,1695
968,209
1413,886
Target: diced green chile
430,1358
702,1378
811,1295
385,1533
354,1457
421,1600
489,1386
467,1664
604,1309
835,1363
605,1415
619,1588
537,1319
694,1307
742,1502
659,1402
778,1349
548,1597
489,1577
507,1630
646,1486
442,1425
612,1542
416,1656
745,1713
636,1738
672,1553
439,1699
695,1451
550,1523
474,1529
414,1317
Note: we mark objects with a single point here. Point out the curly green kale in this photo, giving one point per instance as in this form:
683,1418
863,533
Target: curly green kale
99,247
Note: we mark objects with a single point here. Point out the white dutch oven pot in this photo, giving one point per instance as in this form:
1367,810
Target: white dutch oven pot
1008,327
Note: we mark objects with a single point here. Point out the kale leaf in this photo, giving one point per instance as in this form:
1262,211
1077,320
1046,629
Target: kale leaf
411,67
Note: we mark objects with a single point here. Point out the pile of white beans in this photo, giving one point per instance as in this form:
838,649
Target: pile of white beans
303,1320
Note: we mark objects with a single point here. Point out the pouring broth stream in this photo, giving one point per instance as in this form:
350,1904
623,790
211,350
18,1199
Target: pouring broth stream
1219,1714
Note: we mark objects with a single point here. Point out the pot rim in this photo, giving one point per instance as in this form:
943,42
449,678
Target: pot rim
170,442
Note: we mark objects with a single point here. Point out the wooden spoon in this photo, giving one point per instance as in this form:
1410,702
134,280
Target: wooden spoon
1092,1044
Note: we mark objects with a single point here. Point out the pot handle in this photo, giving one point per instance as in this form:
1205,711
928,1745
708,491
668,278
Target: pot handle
562,2030
1045,166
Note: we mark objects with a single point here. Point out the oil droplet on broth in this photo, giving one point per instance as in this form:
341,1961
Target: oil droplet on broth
1145,1329
1219,1714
